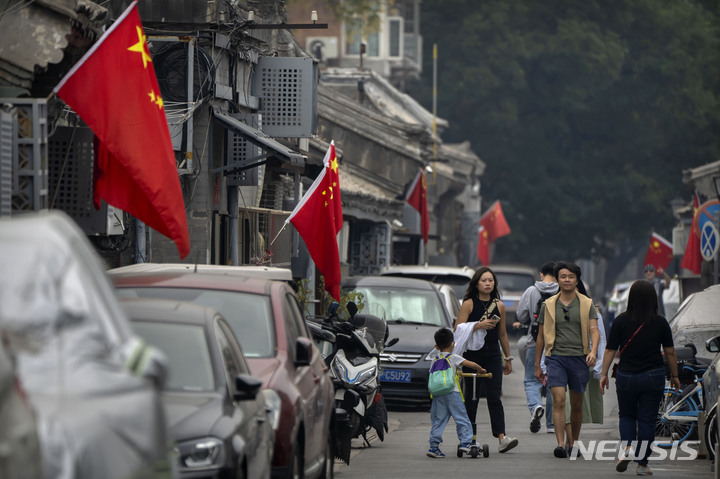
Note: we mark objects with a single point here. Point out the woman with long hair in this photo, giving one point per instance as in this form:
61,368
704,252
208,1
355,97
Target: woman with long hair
640,333
482,306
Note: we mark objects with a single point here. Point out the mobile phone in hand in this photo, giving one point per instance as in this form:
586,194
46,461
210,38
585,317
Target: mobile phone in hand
495,318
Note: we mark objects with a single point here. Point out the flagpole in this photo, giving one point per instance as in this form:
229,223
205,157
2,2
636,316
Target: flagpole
278,233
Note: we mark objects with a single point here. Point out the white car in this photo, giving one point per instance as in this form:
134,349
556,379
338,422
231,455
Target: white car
457,277
92,383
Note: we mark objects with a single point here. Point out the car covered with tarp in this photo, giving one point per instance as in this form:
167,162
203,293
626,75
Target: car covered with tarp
93,384
697,320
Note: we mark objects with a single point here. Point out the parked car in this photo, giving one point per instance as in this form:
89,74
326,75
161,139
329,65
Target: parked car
451,301
267,322
512,281
99,414
697,320
217,416
457,277
711,397
413,310
20,454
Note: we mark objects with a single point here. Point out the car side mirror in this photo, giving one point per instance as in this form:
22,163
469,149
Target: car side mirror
303,352
352,308
713,344
246,387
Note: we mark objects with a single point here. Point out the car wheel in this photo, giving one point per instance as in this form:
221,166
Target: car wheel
711,433
329,465
295,468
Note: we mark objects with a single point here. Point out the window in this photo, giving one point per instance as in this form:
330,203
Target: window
404,305
354,37
249,315
395,33
186,350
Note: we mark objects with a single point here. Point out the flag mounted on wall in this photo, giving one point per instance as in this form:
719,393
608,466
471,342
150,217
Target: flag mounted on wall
417,198
331,164
494,222
483,248
659,253
692,258
114,90
314,219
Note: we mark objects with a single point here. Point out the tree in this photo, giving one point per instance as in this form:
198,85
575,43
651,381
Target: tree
586,114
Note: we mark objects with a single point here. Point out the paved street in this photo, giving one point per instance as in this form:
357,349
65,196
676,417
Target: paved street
402,454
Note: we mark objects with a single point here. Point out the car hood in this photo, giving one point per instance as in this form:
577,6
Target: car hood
191,416
413,338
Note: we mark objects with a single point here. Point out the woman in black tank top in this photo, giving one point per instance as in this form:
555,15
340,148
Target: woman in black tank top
480,305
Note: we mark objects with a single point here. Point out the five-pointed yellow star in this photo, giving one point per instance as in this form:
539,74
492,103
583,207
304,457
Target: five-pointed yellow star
141,47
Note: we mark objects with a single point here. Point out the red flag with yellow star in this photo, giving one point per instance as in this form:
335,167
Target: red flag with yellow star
692,258
417,198
114,90
314,220
659,253
331,164
483,248
494,222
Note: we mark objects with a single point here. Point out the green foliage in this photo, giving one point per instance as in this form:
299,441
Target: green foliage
306,296
586,113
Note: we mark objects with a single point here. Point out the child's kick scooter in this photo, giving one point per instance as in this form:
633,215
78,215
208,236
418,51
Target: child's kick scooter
474,447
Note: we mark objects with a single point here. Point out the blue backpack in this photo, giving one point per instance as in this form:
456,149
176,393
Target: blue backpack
441,380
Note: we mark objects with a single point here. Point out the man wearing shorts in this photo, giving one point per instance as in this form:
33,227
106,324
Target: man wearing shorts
568,334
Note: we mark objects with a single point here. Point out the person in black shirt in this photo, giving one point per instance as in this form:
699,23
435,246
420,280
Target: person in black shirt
483,307
640,376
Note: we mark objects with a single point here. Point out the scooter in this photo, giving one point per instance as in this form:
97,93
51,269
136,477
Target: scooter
352,349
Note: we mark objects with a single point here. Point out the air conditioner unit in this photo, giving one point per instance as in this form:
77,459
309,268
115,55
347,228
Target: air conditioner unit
322,48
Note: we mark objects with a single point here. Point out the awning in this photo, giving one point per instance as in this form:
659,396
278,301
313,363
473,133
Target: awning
258,138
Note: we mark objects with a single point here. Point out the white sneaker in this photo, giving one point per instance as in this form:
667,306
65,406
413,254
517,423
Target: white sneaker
551,430
643,470
538,413
507,443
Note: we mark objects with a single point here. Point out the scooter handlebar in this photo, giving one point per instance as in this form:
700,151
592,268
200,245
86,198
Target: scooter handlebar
476,375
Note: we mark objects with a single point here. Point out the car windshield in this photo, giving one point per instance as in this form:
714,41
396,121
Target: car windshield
400,305
249,315
514,281
186,350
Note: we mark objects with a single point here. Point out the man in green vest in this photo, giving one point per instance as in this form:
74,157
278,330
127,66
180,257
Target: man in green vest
568,335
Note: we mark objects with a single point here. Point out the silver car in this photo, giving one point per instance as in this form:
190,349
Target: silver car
90,380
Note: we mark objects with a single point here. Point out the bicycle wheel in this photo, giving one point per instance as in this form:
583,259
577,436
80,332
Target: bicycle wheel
670,431
711,432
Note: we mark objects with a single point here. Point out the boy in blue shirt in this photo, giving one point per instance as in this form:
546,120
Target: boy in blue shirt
450,405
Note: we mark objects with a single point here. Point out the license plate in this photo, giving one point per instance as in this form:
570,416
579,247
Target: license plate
395,375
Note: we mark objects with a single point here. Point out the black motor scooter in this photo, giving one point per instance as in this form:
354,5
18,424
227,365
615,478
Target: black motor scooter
351,349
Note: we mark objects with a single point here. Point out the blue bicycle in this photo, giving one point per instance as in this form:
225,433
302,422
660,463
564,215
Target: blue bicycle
678,413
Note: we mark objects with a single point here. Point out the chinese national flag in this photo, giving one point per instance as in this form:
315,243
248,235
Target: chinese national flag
494,222
314,219
331,164
659,253
114,90
417,198
483,248
692,259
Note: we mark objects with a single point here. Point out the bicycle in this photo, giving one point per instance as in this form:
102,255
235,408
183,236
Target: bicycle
678,412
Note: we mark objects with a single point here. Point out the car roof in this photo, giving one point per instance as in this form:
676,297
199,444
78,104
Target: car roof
204,279
263,272
434,270
514,268
388,281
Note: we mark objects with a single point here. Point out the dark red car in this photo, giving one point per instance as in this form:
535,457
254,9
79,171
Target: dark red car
265,317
